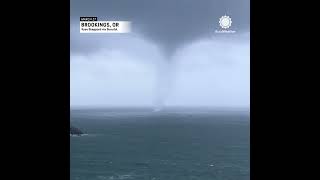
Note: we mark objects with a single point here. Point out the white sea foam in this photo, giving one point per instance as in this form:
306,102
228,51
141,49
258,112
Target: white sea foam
117,177
76,135
125,176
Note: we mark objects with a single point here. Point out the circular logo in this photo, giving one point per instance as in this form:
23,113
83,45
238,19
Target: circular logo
225,22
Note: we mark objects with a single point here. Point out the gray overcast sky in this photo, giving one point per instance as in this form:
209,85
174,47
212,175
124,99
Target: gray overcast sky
207,69
170,23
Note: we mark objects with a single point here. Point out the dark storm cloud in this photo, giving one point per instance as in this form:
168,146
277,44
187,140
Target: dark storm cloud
168,23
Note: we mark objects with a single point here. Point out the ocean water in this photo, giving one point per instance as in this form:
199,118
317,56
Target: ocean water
173,144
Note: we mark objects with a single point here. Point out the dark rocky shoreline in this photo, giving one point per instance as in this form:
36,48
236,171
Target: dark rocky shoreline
75,131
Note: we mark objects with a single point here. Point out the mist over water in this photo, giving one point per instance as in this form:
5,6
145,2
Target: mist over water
130,70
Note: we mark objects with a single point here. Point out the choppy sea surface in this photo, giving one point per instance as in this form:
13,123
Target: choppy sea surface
173,144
